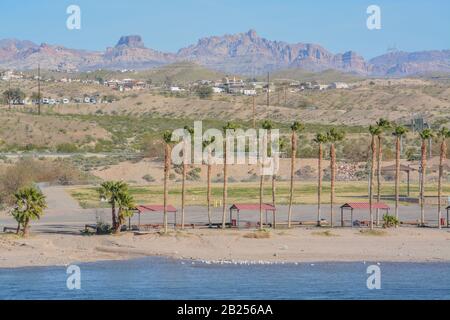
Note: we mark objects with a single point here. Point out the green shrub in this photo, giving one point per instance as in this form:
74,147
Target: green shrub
390,221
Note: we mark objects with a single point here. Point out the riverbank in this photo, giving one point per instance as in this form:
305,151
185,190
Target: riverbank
296,245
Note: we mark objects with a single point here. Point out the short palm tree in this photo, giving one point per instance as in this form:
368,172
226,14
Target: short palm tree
374,132
383,125
167,137
296,128
110,191
126,205
189,131
29,205
320,139
228,127
399,132
207,146
443,135
333,136
425,136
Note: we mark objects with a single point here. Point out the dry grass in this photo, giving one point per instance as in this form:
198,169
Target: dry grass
258,235
326,233
376,233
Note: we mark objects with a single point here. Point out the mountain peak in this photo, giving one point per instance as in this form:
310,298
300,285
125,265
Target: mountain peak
132,41
252,34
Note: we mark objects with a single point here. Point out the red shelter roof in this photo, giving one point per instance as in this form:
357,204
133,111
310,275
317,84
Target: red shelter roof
366,205
252,207
155,208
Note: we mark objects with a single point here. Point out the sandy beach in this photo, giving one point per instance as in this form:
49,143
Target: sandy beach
296,245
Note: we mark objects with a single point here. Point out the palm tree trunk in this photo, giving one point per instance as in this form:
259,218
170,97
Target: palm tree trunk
261,183
209,187
333,178
183,194
261,196
225,186
274,181
113,213
441,172
319,184
422,182
26,227
397,176
166,181
18,228
291,190
372,174
379,161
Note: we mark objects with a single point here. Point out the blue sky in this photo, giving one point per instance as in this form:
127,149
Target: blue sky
165,25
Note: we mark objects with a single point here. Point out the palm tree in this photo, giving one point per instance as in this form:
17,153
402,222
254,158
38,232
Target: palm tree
333,136
374,132
383,125
206,144
267,125
399,132
229,126
30,204
167,137
425,136
320,139
443,134
125,203
296,128
190,131
109,191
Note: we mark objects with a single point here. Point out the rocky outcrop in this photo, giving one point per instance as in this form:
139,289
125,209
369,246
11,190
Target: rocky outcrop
242,53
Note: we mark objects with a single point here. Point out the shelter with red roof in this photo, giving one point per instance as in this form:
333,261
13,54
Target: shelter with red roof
143,209
361,206
238,207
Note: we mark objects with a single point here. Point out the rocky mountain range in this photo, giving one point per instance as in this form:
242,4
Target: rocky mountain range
242,53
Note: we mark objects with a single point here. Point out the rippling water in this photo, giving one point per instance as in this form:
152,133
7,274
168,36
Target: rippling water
159,278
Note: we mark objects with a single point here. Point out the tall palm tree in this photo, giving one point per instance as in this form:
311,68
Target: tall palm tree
425,136
268,125
374,132
383,125
126,205
443,134
189,131
167,137
206,145
399,132
228,126
110,192
320,139
29,205
333,136
296,128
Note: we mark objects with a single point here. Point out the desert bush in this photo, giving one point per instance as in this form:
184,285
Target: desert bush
390,221
148,178
28,171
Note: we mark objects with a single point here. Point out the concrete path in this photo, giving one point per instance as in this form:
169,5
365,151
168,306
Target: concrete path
65,215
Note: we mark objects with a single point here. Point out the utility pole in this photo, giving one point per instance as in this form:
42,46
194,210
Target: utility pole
254,112
268,89
285,96
39,89
9,93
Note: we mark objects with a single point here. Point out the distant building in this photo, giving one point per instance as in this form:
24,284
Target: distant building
218,90
338,85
